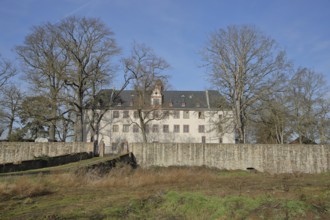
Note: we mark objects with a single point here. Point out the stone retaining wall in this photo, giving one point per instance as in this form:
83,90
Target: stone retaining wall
264,158
14,152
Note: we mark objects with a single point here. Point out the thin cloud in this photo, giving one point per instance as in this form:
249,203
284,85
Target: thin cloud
78,9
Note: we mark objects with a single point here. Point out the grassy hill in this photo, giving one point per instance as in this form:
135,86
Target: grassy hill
165,193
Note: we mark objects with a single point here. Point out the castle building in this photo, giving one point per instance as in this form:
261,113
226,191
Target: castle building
164,117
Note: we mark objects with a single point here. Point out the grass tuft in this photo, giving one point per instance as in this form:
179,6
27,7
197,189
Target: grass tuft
24,187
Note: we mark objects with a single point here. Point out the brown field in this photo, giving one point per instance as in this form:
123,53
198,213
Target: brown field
165,193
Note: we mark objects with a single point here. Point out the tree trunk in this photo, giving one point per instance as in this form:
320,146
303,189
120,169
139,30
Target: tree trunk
240,125
80,125
10,127
143,126
51,132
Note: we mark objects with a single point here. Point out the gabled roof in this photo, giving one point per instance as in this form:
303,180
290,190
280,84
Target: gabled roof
209,99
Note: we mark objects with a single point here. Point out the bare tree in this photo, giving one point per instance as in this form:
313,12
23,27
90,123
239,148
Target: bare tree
308,105
89,45
145,69
10,102
35,114
324,123
272,124
7,70
45,66
245,65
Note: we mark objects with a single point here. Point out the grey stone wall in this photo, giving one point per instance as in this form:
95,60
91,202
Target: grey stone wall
21,151
264,158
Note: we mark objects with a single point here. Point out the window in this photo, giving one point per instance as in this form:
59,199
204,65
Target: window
203,139
115,128
166,114
220,117
135,128
185,128
201,115
155,128
201,128
146,114
220,140
165,128
136,114
114,146
125,128
176,114
176,128
115,114
125,114
156,114
185,114
156,101
147,128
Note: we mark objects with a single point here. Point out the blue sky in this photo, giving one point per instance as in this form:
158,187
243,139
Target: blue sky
178,29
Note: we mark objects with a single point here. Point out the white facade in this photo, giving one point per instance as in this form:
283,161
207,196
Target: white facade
184,124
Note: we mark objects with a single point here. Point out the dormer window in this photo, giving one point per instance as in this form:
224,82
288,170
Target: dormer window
156,101
183,101
156,97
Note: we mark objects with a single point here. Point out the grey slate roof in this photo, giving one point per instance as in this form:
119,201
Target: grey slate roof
209,99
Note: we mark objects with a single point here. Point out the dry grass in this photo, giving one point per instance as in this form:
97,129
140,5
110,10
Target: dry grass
24,187
125,176
137,193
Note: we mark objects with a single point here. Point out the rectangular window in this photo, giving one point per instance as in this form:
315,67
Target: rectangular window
201,115
156,101
135,128
115,114
166,129
201,128
185,128
147,129
156,114
220,140
147,114
125,128
114,146
115,128
136,114
186,114
155,128
176,114
125,114
176,129
166,114
203,139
